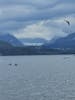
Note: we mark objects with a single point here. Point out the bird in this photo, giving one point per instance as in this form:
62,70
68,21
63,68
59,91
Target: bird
10,64
16,64
68,22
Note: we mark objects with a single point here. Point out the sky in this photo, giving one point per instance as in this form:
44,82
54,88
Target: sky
37,18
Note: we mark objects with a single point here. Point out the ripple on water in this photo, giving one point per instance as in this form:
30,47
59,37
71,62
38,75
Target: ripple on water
52,82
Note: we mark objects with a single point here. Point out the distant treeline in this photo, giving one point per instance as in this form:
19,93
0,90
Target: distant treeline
34,50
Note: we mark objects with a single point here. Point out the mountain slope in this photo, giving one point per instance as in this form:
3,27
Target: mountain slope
5,44
65,42
10,39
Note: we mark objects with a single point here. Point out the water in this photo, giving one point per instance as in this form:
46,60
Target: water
37,78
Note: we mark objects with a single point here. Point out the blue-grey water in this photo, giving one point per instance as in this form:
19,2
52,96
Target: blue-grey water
37,77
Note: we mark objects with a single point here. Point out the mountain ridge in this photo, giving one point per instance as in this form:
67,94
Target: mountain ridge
10,39
63,42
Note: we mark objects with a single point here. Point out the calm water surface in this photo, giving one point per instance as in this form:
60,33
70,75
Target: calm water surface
37,77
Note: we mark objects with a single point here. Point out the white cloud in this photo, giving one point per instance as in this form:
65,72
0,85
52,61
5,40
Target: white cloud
43,29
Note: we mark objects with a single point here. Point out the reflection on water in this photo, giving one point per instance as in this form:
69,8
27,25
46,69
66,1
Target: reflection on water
37,78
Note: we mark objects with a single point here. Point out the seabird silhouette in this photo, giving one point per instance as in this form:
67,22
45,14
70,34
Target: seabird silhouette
16,64
68,22
10,64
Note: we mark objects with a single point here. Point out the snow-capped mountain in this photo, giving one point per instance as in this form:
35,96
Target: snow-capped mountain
33,41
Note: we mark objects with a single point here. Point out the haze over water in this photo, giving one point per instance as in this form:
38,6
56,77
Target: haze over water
37,77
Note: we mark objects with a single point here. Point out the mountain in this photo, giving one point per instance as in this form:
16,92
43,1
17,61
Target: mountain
10,39
33,41
65,42
5,44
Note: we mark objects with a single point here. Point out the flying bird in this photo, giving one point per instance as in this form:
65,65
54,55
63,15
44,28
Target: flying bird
67,22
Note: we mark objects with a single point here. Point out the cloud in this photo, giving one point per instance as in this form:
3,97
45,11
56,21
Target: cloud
47,29
38,18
